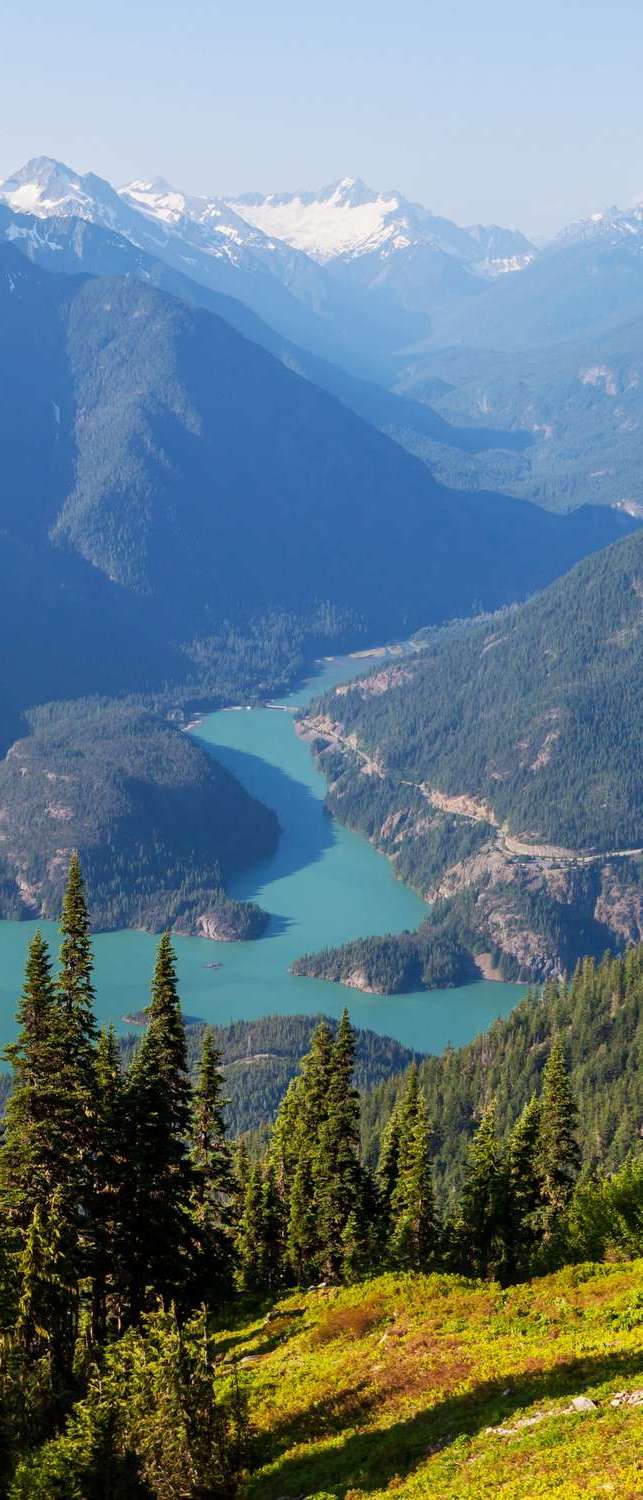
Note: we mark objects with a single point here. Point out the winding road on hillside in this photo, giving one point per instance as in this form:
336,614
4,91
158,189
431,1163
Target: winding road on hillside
461,806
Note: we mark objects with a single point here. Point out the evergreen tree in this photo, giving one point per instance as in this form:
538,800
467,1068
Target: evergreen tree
159,1251
302,1112
524,1186
558,1154
357,1245
76,1104
47,1320
337,1173
481,1227
250,1239
388,1162
111,1162
413,1218
288,1138
294,1147
34,1130
240,1173
75,982
214,1181
272,1232
302,1237
316,1072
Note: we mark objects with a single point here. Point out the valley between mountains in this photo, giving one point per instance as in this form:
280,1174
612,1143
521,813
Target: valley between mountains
254,1246
246,410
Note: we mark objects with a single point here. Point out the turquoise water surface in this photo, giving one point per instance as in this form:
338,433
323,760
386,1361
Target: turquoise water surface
323,886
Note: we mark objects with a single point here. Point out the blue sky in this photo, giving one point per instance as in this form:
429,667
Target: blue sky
497,111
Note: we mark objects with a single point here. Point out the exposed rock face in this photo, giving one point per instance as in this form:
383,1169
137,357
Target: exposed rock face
358,980
229,922
620,904
589,901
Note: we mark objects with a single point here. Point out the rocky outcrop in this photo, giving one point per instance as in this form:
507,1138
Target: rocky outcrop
531,908
227,922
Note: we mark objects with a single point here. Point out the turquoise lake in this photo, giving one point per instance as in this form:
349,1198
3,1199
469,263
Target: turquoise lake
323,886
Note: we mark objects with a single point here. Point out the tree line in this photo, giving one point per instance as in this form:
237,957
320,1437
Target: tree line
127,1221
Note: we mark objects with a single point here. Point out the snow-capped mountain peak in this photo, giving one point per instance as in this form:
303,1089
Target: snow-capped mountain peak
615,225
160,200
344,218
49,189
191,215
347,219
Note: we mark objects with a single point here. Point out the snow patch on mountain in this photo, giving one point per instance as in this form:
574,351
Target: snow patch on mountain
186,213
613,225
342,219
48,189
349,219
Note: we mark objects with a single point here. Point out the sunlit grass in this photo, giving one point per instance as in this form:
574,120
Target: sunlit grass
392,1387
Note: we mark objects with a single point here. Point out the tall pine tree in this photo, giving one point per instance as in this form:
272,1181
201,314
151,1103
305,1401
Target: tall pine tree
35,1127
214,1180
75,979
481,1226
337,1173
110,1168
413,1218
160,1244
251,1234
77,1073
295,1139
524,1187
48,1311
558,1154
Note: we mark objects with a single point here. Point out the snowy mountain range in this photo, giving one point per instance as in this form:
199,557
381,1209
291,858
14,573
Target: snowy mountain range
349,219
349,272
203,239
360,277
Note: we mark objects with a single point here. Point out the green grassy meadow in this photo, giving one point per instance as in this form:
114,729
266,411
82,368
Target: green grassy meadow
437,1386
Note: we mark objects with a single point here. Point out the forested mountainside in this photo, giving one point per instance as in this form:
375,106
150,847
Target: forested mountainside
259,1058
159,823
194,471
576,406
174,502
72,245
556,353
532,358
571,289
156,812
598,1016
502,768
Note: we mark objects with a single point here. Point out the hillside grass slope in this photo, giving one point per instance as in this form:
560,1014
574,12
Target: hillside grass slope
438,1386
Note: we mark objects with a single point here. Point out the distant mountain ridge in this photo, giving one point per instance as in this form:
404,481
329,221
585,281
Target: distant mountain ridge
357,308
555,353
193,470
219,250
349,219
72,245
